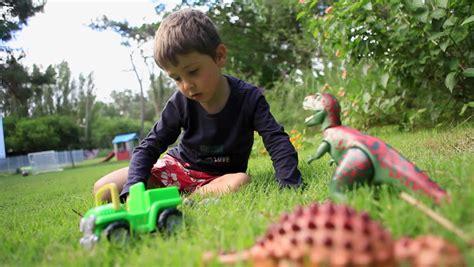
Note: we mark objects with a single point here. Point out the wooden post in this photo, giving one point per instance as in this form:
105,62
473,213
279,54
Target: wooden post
437,217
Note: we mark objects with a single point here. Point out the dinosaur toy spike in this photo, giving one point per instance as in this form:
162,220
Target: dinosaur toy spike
361,157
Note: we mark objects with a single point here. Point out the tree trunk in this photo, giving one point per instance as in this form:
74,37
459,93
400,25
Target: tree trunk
142,98
158,91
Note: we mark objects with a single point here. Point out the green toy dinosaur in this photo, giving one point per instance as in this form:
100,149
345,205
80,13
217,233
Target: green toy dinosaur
361,157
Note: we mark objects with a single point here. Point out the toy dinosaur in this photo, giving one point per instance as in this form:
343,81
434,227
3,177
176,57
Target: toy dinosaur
336,235
320,235
361,157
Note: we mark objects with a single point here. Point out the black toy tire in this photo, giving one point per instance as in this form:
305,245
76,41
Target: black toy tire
169,220
118,233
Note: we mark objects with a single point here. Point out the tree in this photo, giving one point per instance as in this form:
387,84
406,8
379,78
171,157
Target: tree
124,103
41,102
134,38
15,14
85,107
265,40
64,89
160,90
15,91
127,104
142,97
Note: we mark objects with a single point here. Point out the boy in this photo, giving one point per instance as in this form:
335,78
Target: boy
217,114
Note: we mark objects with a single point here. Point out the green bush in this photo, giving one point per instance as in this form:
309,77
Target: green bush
424,51
363,99
366,99
24,135
55,132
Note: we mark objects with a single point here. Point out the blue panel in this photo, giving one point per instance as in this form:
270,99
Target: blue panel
124,138
2,140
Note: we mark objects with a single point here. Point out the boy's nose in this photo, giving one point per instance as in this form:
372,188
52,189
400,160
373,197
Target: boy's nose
188,85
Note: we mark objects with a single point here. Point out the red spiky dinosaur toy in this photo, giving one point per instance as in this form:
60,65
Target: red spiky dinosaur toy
331,234
361,157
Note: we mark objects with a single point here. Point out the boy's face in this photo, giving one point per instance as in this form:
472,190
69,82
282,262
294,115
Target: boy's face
198,76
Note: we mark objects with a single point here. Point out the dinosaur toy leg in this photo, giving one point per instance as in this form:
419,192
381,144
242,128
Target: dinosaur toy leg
354,167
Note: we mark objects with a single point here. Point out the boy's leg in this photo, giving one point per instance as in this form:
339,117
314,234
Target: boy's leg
118,177
224,184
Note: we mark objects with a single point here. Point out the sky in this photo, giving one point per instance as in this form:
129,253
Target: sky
60,33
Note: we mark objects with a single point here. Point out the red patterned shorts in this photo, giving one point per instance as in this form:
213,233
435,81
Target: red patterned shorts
169,171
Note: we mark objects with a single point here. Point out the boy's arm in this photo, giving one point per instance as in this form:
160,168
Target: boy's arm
278,145
164,133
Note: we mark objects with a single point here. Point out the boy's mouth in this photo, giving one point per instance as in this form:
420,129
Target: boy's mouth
196,95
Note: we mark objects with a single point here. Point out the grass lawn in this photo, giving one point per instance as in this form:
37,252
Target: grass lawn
39,227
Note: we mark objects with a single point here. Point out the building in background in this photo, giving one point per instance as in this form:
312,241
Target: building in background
124,144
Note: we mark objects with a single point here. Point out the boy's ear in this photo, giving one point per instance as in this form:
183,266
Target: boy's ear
221,55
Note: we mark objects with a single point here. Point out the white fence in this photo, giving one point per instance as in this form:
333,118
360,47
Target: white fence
44,161
11,164
65,158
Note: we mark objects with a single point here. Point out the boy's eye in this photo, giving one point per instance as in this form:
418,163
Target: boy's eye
193,71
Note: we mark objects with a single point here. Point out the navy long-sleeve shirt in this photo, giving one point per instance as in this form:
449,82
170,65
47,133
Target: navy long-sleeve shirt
216,143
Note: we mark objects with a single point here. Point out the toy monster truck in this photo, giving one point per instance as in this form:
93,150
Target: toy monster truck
144,211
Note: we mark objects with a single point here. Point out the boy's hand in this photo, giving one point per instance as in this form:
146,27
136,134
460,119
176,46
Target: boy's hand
123,198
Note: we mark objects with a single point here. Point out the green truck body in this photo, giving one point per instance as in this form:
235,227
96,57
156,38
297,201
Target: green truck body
144,211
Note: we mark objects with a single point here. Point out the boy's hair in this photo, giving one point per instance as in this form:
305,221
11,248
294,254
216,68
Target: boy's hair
185,31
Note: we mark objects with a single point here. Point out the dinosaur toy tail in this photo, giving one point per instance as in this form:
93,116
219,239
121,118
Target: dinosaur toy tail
417,180
433,190
357,167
